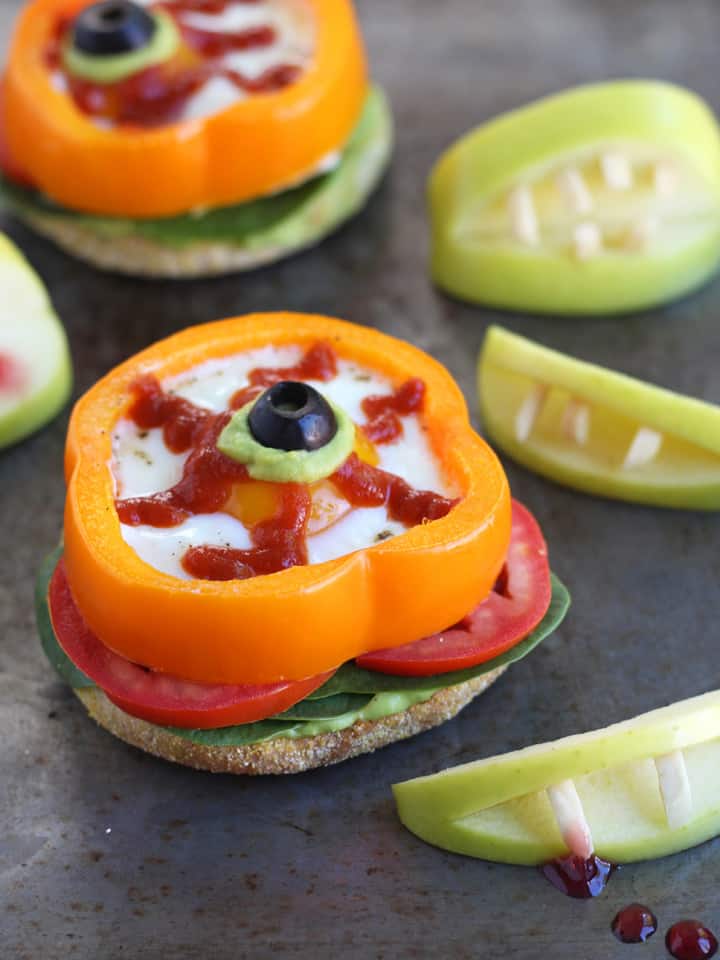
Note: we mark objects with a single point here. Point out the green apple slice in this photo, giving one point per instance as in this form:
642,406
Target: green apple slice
640,789
597,430
35,369
601,199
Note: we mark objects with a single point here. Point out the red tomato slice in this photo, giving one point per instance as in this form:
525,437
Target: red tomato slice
158,697
519,601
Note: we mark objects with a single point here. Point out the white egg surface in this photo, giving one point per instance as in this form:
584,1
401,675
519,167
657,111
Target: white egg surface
143,465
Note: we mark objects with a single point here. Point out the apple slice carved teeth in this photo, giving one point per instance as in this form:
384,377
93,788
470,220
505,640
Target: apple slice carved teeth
587,240
572,184
529,412
675,792
571,820
588,185
643,449
616,170
523,216
675,788
576,421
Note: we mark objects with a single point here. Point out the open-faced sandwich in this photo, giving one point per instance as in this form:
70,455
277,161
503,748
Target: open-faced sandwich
285,546
188,137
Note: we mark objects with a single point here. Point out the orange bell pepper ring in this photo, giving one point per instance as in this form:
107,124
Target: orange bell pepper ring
306,619
260,144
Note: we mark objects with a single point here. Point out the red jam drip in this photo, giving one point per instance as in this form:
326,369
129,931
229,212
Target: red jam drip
365,486
279,543
578,878
318,363
690,940
13,376
634,924
156,95
383,412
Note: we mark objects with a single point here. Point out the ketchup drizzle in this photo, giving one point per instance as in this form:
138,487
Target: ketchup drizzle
206,483
181,420
279,544
208,476
635,923
156,95
690,940
578,878
318,363
212,44
366,486
384,424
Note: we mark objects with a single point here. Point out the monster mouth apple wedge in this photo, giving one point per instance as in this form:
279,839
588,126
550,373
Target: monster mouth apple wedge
600,199
598,430
285,545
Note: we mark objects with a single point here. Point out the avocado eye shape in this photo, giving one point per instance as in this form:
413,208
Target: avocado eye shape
113,26
292,416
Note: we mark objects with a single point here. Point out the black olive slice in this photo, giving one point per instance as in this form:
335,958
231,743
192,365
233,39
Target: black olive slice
292,416
113,26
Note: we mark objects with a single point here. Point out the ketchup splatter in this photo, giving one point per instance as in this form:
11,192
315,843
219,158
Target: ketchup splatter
279,543
634,924
212,44
578,878
365,486
182,422
384,424
207,6
13,376
318,363
690,940
157,95
206,483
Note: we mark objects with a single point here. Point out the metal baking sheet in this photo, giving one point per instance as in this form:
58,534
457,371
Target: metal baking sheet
106,852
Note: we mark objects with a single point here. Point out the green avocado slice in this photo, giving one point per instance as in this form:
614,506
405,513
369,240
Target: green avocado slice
293,217
351,694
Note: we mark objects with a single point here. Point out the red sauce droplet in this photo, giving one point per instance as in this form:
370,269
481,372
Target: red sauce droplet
578,878
634,924
318,363
383,412
13,376
690,940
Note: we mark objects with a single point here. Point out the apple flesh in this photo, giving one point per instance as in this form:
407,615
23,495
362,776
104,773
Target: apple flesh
597,430
499,809
35,368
